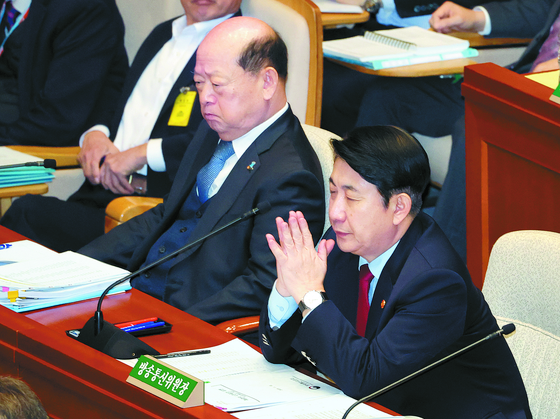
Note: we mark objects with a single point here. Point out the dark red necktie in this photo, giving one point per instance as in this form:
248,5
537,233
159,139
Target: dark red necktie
363,299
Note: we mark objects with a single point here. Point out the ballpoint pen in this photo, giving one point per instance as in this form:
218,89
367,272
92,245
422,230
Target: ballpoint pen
185,353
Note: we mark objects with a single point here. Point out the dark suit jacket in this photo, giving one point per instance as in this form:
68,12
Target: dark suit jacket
72,50
432,309
231,274
532,19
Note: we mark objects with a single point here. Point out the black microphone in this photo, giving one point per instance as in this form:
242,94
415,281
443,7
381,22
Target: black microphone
47,163
109,339
507,330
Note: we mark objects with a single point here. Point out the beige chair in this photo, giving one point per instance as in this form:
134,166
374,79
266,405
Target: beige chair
320,141
522,286
299,24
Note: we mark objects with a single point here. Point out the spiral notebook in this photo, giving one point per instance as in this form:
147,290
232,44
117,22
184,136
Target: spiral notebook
396,47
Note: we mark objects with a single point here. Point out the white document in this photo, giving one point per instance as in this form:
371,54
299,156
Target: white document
237,378
58,270
9,156
22,251
332,6
259,389
333,407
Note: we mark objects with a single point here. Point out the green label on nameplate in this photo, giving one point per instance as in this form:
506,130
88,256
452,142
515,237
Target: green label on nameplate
556,95
163,378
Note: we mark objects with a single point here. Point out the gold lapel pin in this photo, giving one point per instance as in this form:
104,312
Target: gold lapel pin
382,304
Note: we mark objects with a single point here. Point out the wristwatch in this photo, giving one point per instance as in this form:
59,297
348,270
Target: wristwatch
311,300
372,6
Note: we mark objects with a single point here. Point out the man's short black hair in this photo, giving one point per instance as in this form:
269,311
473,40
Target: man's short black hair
388,157
266,52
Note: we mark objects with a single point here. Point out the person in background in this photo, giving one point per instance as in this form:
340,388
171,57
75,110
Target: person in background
18,401
385,294
250,150
137,148
398,13
345,89
62,63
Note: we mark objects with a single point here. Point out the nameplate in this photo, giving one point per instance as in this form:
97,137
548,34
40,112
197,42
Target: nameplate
556,95
167,382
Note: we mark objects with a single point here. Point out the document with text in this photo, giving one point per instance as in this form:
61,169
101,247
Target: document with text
237,377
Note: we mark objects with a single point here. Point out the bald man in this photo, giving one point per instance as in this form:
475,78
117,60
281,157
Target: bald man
240,75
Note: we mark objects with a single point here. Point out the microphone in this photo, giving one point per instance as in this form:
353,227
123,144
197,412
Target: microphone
113,341
47,163
506,330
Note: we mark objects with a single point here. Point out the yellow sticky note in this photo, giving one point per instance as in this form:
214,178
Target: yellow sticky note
181,113
12,295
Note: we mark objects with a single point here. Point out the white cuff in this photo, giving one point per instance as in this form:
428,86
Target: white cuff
488,23
154,155
280,308
101,128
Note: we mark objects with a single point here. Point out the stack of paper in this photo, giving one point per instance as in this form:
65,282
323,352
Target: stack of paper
398,47
47,278
238,378
18,176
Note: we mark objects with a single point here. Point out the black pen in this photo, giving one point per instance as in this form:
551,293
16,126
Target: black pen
185,353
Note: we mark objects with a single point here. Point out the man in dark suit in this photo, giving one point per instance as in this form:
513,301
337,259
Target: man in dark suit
55,59
390,297
240,75
140,135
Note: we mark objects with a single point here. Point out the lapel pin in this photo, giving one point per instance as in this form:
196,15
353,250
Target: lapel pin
382,304
251,166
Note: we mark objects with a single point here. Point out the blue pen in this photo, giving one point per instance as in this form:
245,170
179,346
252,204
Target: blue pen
142,326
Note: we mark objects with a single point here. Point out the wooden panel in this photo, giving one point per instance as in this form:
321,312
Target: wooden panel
512,149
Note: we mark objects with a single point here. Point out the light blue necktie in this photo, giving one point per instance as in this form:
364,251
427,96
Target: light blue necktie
208,173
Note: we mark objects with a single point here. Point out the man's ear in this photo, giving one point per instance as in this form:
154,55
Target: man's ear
270,82
402,205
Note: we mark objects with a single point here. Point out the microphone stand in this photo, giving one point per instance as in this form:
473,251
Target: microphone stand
95,325
507,330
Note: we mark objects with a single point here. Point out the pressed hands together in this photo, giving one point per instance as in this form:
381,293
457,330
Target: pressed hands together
300,267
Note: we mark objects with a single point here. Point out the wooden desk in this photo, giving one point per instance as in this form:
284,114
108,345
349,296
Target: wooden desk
512,159
6,194
442,68
438,68
332,20
75,381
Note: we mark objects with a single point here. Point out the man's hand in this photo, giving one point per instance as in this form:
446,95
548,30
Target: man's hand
451,17
119,166
546,66
95,146
300,268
